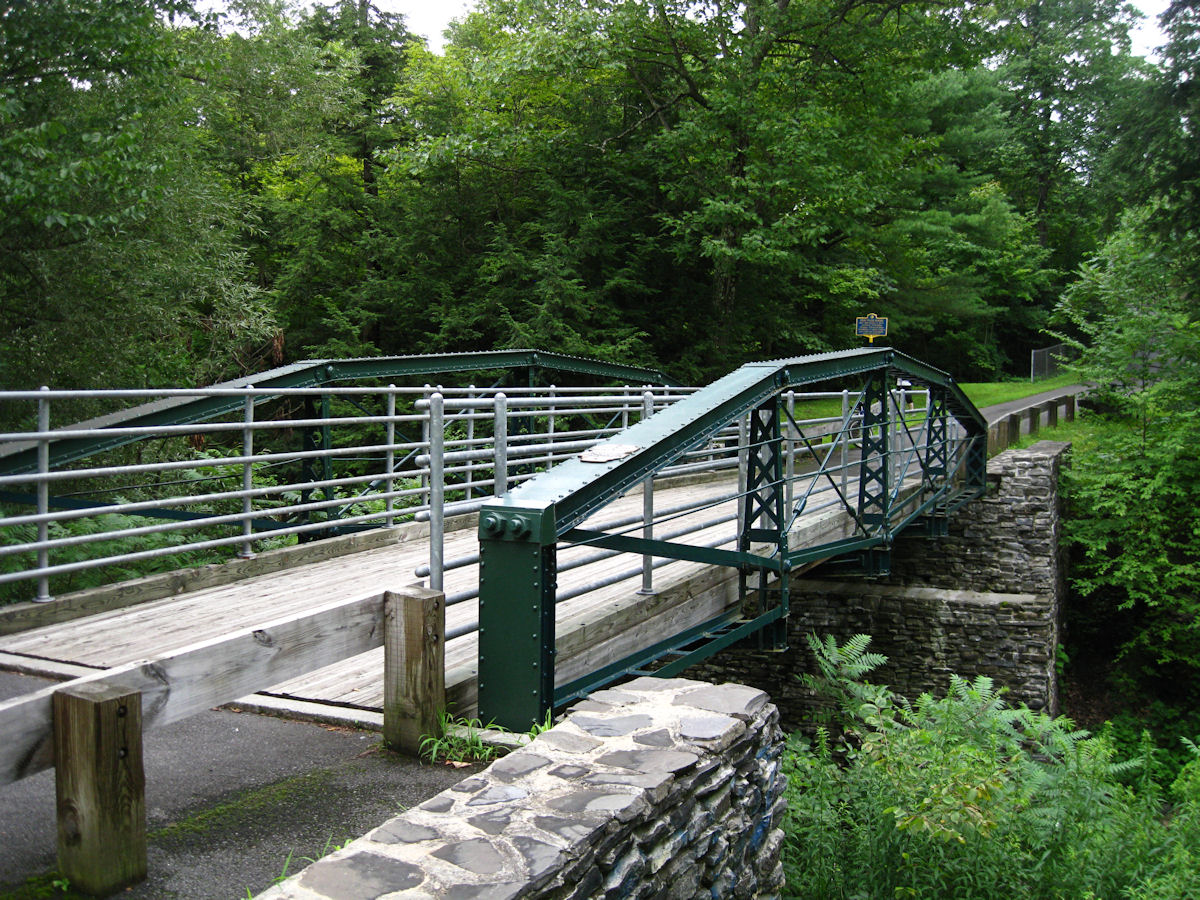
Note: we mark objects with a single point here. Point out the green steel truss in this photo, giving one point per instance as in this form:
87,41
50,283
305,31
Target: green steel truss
518,532
19,458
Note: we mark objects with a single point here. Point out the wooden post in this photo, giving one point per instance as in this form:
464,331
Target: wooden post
414,666
1035,420
100,787
1014,429
1069,409
1051,413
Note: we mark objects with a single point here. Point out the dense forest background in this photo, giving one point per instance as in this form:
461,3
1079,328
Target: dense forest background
186,197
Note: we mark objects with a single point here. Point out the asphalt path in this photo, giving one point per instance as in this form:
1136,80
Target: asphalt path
231,800
1000,410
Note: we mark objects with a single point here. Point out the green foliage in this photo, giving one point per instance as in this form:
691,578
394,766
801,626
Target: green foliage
1134,495
962,796
458,740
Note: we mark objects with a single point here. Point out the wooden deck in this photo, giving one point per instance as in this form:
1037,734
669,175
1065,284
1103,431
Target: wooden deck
594,628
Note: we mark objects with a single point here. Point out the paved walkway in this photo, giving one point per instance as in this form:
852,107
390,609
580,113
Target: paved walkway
1000,410
230,798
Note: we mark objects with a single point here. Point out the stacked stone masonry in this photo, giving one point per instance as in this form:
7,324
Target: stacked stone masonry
662,788
983,601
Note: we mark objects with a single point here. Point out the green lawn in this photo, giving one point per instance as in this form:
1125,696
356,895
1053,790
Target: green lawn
981,393
988,393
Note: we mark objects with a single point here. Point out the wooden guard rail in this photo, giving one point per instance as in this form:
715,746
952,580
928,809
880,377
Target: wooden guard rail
1006,431
90,729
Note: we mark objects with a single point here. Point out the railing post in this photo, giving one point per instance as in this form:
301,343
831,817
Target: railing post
743,469
100,787
647,508
1051,413
425,441
437,490
330,492
470,438
790,476
43,495
550,426
389,437
247,551
1014,429
414,666
500,443
1069,408
845,454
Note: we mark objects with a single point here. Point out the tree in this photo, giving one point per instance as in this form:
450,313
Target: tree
728,184
1135,494
1161,143
117,264
1065,64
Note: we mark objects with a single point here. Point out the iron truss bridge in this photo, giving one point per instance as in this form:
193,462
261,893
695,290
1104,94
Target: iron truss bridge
890,469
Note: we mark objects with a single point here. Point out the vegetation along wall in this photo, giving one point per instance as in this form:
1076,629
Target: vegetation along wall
662,788
983,601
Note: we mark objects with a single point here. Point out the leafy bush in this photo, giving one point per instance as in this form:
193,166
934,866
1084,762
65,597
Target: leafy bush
963,796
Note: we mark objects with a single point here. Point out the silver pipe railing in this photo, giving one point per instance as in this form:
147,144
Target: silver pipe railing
368,475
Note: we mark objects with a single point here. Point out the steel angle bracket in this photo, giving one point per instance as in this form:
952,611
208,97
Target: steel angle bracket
669,549
867,562
680,652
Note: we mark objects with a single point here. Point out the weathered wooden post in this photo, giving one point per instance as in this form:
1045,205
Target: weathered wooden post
1051,413
100,787
1014,429
1035,420
1069,409
414,666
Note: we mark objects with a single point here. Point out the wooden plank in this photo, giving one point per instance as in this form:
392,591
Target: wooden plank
78,604
100,787
24,616
202,675
414,666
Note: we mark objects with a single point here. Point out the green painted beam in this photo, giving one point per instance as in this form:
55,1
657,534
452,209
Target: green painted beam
21,457
575,489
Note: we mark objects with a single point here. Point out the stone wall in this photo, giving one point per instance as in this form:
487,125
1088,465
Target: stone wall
1005,542
982,601
663,788
926,633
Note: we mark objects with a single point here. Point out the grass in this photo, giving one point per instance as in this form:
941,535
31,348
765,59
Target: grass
50,886
989,393
1081,433
981,393
458,740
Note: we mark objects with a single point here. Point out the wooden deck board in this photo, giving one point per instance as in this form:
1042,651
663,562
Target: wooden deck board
594,628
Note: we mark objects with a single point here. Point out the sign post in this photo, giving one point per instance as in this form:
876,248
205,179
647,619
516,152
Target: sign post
870,327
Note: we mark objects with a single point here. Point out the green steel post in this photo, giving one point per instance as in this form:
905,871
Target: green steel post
937,448
874,490
764,519
517,581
